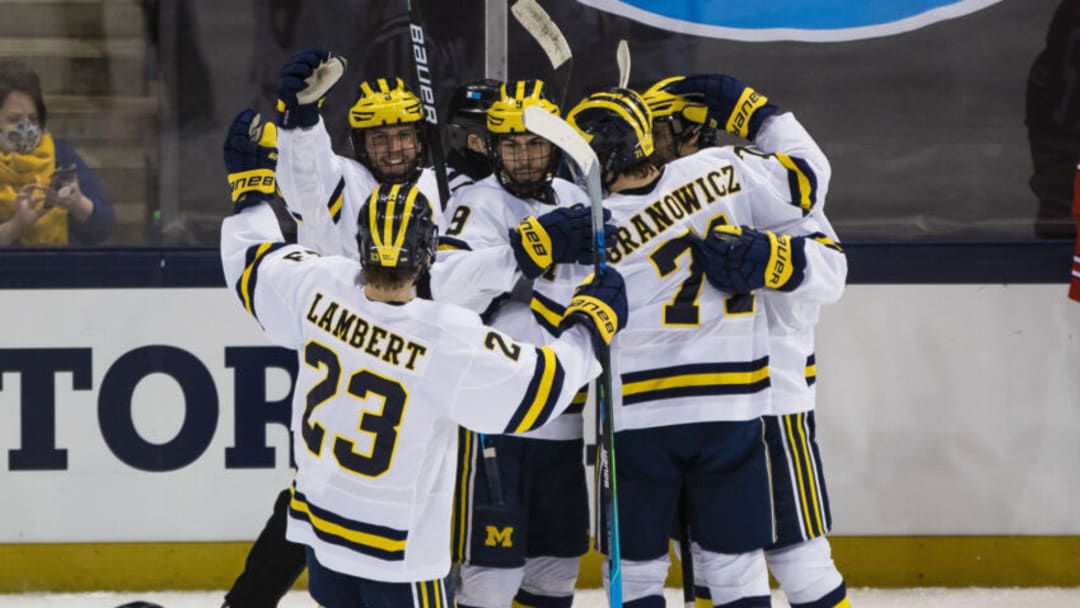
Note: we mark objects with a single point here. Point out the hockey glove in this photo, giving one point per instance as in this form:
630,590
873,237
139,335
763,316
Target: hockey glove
739,259
600,304
250,159
304,81
733,106
562,236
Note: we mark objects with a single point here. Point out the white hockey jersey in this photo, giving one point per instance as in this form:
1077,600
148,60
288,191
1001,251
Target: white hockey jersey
479,219
380,392
324,191
793,315
691,353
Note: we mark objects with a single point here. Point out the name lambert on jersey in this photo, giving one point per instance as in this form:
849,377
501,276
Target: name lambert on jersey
354,330
672,206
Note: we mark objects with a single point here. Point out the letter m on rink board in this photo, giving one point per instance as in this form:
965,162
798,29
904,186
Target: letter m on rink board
499,537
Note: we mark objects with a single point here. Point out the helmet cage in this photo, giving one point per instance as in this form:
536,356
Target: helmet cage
386,102
505,118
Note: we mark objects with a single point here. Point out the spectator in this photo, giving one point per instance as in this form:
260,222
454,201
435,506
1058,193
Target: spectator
48,196
1053,122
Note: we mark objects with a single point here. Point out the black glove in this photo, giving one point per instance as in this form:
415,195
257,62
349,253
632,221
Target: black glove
739,259
733,106
304,81
250,159
600,304
562,236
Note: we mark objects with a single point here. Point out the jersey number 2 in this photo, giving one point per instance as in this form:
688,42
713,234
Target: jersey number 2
381,424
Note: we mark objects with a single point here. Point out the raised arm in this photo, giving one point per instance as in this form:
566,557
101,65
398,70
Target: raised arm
511,387
310,175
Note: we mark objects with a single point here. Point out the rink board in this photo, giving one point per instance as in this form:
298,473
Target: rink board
142,439
865,561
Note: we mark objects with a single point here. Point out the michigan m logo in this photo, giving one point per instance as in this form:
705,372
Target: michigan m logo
499,537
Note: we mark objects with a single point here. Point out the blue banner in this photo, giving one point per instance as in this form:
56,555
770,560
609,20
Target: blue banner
802,20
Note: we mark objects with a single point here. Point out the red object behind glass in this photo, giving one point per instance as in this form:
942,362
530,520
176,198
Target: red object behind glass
1074,285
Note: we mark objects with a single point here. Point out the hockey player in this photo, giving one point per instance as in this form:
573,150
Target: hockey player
523,526
273,564
386,380
467,161
800,557
692,370
387,136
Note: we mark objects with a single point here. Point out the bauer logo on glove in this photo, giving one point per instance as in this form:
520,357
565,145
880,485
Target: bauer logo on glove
536,241
257,180
599,303
750,101
739,259
600,312
562,236
251,159
780,268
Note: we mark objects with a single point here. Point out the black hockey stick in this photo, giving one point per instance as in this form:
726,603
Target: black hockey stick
558,132
491,471
425,77
542,28
686,561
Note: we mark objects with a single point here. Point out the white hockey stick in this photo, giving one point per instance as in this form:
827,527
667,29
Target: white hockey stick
558,132
540,26
622,56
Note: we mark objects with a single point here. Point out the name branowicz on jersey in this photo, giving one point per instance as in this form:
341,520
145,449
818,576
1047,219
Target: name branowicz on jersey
669,370
378,391
479,219
316,183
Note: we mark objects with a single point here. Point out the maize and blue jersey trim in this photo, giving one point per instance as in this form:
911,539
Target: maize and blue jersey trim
369,539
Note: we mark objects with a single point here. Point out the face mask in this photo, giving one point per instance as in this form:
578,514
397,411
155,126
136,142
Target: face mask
22,137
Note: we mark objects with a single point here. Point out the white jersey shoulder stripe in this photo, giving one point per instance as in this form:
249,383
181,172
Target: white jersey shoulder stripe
245,285
540,398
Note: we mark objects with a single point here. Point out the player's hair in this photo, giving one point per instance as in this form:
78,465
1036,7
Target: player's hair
396,235
506,117
618,126
18,76
385,102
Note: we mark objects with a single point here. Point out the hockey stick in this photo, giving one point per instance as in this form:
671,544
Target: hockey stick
425,78
491,471
686,560
558,132
540,26
622,57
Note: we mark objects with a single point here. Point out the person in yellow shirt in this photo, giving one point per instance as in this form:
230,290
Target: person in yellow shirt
48,196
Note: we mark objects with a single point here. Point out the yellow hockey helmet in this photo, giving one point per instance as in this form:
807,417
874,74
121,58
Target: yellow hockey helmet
618,126
396,228
666,105
506,114
384,102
